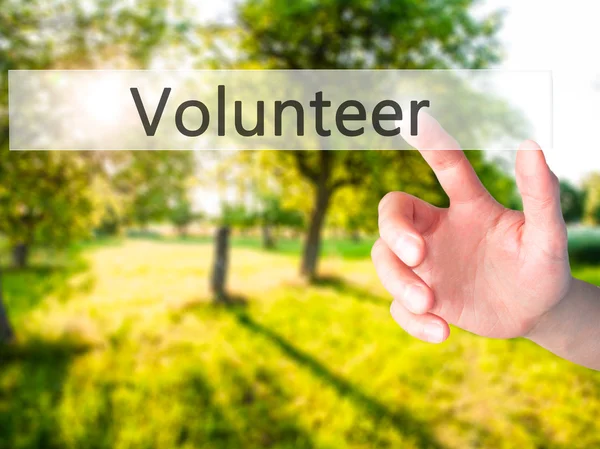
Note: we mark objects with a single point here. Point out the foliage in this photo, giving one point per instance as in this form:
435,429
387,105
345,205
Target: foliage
181,213
572,202
592,202
237,215
268,189
110,223
494,176
45,197
273,213
153,182
359,34
49,197
584,246
128,352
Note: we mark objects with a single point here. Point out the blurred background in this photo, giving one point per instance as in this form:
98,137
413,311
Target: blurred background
227,299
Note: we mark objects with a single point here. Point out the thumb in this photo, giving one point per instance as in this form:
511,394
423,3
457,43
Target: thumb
540,190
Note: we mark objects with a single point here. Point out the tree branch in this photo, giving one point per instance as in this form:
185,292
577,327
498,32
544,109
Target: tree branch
353,179
305,169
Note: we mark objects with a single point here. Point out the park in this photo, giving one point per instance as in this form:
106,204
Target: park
123,346
112,333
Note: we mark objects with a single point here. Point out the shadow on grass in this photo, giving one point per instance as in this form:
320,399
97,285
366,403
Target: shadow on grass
253,417
401,419
32,375
349,289
198,396
25,288
38,350
231,299
267,403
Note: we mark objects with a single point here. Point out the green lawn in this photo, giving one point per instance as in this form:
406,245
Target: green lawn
119,347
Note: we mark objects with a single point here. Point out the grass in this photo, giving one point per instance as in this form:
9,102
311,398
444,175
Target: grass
332,247
119,347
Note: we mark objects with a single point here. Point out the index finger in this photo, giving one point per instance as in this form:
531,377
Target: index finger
449,163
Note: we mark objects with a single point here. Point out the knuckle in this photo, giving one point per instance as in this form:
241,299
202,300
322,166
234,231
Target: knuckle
545,203
554,184
389,198
404,320
378,246
390,281
386,225
555,246
420,331
539,201
396,312
558,245
449,161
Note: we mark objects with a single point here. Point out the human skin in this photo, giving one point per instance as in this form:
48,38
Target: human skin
487,269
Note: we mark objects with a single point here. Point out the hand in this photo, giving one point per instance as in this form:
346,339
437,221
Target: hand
477,265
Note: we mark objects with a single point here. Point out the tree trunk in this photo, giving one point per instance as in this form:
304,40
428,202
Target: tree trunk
20,255
312,245
267,234
182,231
220,264
6,332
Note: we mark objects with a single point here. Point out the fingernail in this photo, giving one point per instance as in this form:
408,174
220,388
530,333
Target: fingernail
415,298
434,333
408,247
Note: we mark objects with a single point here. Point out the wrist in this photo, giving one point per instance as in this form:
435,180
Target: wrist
547,324
570,328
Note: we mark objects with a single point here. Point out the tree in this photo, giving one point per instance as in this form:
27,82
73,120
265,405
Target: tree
274,215
355,34
220,264
6,332
572,202
237,215
45,196
110,222
153,183
181,214
349,215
